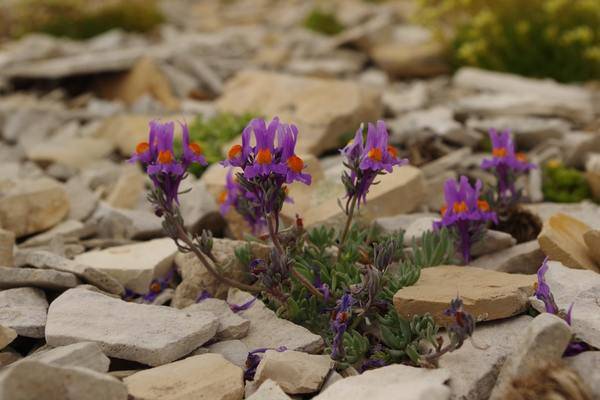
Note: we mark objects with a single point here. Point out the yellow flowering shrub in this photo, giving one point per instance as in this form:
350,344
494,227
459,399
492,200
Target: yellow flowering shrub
80,19
540,38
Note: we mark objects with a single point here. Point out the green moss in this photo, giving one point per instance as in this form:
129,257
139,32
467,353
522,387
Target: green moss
323,22
81,19
564,185
214,133
538,38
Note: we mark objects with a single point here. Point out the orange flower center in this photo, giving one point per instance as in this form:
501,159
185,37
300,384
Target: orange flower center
443,210
499,152
295,163
222,197
264,156
155,287
234,151
142,147
483,205
375,154
393,151
195,148
460,207
165,157
521,157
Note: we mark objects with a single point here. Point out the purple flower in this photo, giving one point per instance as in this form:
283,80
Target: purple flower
237,156
158,159
366,161
355,148
205,294
230,194
377,155
340,319
543,293
507,164
265,160
322,287
287,137
465,213
244,202
242,307
260,189
192,152
156,287
463,325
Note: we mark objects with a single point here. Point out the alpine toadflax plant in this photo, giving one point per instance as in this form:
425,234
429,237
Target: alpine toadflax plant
163,166
465,213
258,190
506,165
367,160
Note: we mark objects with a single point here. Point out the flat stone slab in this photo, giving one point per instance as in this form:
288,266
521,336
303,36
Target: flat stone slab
487,295
7,335
68,229
586,365
473,371
544,341
83,354
7,244
231,325
269,390
392,382
207,376
323,109
27,380
24,310
294,371
523,258
406,183
91,275
152,335
561,239
46,279
134,265
31,206
267,330
234,351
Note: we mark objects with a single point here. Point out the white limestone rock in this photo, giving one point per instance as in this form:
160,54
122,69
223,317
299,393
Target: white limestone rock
152,335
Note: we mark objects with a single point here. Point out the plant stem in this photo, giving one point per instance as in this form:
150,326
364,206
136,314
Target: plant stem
273,234
347,227
184,237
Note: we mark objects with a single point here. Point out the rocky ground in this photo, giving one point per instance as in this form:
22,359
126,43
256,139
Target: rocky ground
77,231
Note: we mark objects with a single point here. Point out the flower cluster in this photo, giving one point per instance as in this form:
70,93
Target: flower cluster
506,165
367,160
543,293
165,169
340,319
465,213
259,190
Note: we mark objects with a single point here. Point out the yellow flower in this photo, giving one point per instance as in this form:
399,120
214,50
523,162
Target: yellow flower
580,34
553,163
